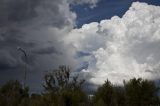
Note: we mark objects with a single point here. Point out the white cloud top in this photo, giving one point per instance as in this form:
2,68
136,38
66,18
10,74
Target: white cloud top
121,48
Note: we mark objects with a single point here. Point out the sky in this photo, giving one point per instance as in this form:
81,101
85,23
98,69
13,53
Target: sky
98,39
105,9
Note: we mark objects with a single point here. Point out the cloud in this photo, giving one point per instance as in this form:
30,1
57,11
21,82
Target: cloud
22,11
6,61
121,48
117,49
92,3
46,51
39,27
33,24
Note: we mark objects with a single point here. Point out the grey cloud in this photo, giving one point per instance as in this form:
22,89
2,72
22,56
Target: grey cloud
6,65
7,61
83,54
31,24
46,51
13,38
16,11
46,12
92,3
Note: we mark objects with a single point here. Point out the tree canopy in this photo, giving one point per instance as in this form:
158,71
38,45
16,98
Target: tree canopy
64,89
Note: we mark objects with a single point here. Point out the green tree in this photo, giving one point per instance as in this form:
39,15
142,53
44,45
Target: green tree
37,100
109,95
62,89
119,93
105,95
141,92
12,94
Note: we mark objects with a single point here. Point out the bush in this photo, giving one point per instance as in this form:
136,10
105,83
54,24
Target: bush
12,94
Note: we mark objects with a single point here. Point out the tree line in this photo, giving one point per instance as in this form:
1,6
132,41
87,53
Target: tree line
62,89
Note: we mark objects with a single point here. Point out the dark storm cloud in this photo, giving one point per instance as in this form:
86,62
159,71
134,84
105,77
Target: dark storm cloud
18,16
5,65
20,19
13,38
10,40
31,24
22,11
46,51
26,24
17,11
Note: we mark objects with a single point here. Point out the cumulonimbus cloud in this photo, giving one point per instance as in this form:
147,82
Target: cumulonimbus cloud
37,26
121,48
117,49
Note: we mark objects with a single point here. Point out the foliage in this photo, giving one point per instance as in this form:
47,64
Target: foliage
109,95
105,94
12,94
62,89
141,92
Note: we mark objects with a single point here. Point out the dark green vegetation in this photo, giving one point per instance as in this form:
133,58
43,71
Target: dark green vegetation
62,89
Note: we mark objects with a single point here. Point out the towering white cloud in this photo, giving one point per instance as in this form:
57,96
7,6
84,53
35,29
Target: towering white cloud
121,48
